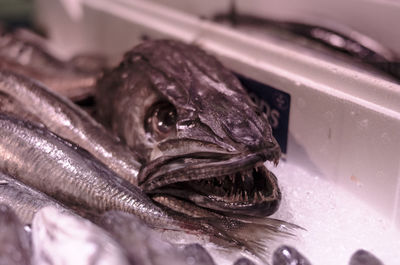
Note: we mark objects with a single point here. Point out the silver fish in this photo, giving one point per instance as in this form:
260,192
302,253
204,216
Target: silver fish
10,106
14,241
66,119
28,54
68,173
60,238
24,200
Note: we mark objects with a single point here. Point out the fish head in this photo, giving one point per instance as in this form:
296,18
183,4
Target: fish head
203,139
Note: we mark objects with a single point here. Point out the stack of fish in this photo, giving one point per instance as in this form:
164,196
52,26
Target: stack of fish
175,141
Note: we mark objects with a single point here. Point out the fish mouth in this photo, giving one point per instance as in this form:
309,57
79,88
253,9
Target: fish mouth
237,185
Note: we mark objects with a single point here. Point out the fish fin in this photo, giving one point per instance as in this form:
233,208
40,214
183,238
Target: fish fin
252,237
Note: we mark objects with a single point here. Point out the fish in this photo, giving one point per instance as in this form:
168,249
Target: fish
287,255
15,246
63,117
363,257
243,261
10,106
195,254
203,141
24,52
142,244
332,39
71,175
66,172
24,200
60,238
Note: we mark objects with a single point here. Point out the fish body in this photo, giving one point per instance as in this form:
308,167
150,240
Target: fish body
66,119
332,39
60,238
24,200
15,247
46,162
10,106
201,136
28,54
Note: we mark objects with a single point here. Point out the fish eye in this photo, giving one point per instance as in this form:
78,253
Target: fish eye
160,121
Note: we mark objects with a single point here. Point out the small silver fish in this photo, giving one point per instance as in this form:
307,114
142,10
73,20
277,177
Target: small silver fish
60,238
68,173
28,54
14,241
24,200
66,119
10,106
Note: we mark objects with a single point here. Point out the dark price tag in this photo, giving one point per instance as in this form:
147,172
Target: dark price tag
274,103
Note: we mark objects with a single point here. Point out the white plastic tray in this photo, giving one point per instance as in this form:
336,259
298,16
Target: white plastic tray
344,123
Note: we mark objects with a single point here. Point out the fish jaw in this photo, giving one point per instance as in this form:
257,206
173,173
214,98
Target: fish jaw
236,185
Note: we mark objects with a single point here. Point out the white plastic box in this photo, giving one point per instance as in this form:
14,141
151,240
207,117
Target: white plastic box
344,123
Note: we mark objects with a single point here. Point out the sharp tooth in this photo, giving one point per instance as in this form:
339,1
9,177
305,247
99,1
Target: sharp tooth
232,178
259,195
256,169
242,177
237,197
245,196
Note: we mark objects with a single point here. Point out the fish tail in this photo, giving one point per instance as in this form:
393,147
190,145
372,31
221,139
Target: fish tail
251,236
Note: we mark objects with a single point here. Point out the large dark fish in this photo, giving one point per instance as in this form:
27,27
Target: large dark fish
66,119
201,135
70,174
15,247
60,238
24,200
28,54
